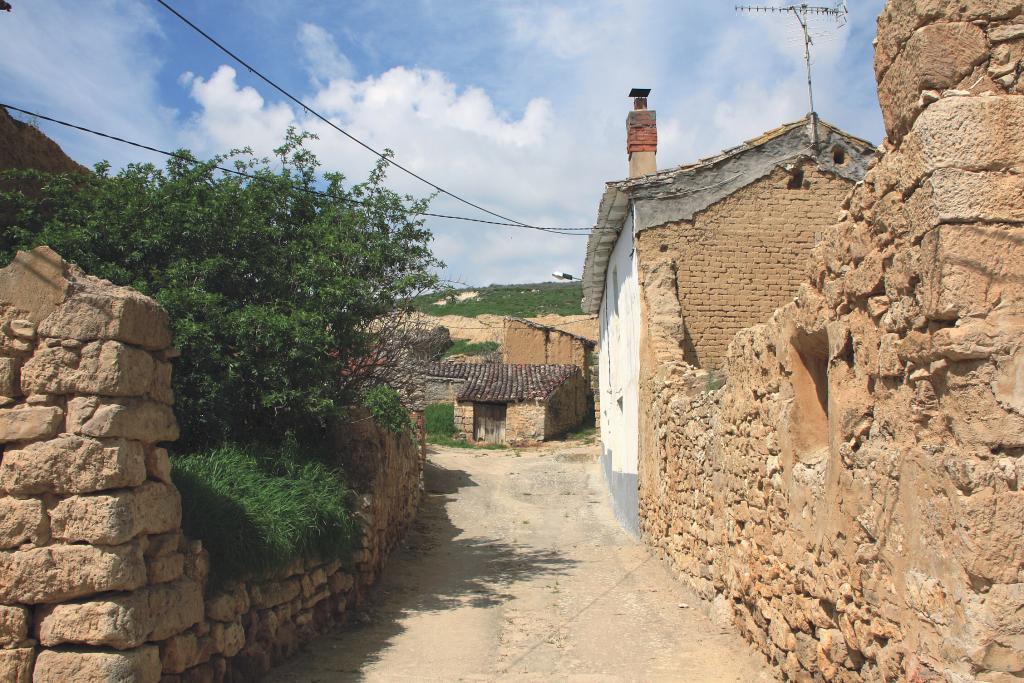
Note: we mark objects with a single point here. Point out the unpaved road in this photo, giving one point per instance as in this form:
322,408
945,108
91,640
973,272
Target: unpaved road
517,570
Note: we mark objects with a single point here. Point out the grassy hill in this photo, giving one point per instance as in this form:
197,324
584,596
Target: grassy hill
561,298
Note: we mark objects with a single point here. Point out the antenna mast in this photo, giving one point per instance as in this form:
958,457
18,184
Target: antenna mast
802,12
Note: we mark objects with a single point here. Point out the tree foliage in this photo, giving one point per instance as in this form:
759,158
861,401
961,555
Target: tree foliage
272,288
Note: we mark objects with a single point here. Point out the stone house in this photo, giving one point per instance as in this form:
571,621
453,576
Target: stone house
497,403
683,259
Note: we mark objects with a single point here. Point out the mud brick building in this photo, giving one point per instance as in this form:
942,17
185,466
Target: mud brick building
684,258
497,403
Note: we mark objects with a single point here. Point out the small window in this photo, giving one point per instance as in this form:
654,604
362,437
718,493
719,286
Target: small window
796,179
839,155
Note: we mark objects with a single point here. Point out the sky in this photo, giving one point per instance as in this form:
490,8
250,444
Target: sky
517,105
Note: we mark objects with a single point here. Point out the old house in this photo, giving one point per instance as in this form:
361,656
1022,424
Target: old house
686,257
498,403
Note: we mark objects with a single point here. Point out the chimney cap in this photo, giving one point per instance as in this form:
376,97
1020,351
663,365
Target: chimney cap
639,92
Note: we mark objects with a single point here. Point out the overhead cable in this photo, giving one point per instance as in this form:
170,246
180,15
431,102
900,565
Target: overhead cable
250,176
313,112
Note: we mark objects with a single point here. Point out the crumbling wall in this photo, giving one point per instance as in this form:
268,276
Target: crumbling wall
532,344
853,496
739,259
97,581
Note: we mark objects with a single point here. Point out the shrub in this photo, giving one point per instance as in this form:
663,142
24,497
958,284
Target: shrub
439,420
272,288
256,511
385,405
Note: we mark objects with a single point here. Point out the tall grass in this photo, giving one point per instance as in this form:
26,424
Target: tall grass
439,419
462,347
257,511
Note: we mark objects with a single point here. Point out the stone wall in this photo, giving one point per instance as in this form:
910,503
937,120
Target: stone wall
97,581
853,497
739,259
464,420
525,422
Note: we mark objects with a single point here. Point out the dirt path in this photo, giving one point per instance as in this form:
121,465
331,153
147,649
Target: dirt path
516,570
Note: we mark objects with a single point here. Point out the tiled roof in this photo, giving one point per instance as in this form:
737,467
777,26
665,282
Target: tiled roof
500,382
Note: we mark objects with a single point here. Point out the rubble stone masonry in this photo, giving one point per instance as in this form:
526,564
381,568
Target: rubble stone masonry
853,498
97,582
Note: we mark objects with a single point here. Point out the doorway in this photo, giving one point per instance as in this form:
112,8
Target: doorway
489,422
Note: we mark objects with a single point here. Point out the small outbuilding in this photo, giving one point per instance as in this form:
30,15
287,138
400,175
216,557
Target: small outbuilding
513,404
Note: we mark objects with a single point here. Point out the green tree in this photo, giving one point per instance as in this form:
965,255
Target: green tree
271,285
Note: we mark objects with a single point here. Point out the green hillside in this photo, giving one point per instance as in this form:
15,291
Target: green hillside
561,298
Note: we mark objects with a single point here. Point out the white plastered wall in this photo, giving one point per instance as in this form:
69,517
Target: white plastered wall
620,357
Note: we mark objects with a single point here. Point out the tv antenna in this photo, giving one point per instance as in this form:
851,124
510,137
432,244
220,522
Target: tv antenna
802,13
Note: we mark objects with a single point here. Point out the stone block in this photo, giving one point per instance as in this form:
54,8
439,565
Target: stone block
27,423
21,521
141,665
139,420
273,593
34,283
165,568
991,527
180,653
98,310
966,133
123,621
158,465
968,197
9,377
14,622
72,464
971,269
16,665
103,368
228,604
63,572
936,57
114,518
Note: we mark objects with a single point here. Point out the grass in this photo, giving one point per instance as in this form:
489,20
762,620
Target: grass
256,511
466,348
524,301
439,420
585,433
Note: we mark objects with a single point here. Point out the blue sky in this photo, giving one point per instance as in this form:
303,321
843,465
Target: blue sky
518,105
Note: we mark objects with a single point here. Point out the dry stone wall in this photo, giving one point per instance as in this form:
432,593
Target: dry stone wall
97,582
853,496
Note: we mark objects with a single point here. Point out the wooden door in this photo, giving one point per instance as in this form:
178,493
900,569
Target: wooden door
489,422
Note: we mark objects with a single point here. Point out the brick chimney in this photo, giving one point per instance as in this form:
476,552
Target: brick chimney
641,135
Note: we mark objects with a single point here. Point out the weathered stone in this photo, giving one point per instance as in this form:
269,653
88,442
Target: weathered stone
104,368
28,423
21,329
274,593
165,567
16,665
114,518
158,465
132,419
61,572
1006,32
992,529
125,620
967,197
72,464
9,377
34,283
21,521
228,604
1008,385
179,653
141,665
13,626
97,310
936,57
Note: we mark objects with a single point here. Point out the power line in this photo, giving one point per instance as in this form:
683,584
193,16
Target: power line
250,176
330,123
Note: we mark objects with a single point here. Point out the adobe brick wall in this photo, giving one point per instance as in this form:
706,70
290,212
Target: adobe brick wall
739,259
853,498
535,346
97,581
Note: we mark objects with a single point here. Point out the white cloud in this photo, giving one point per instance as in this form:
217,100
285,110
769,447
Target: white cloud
324,60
